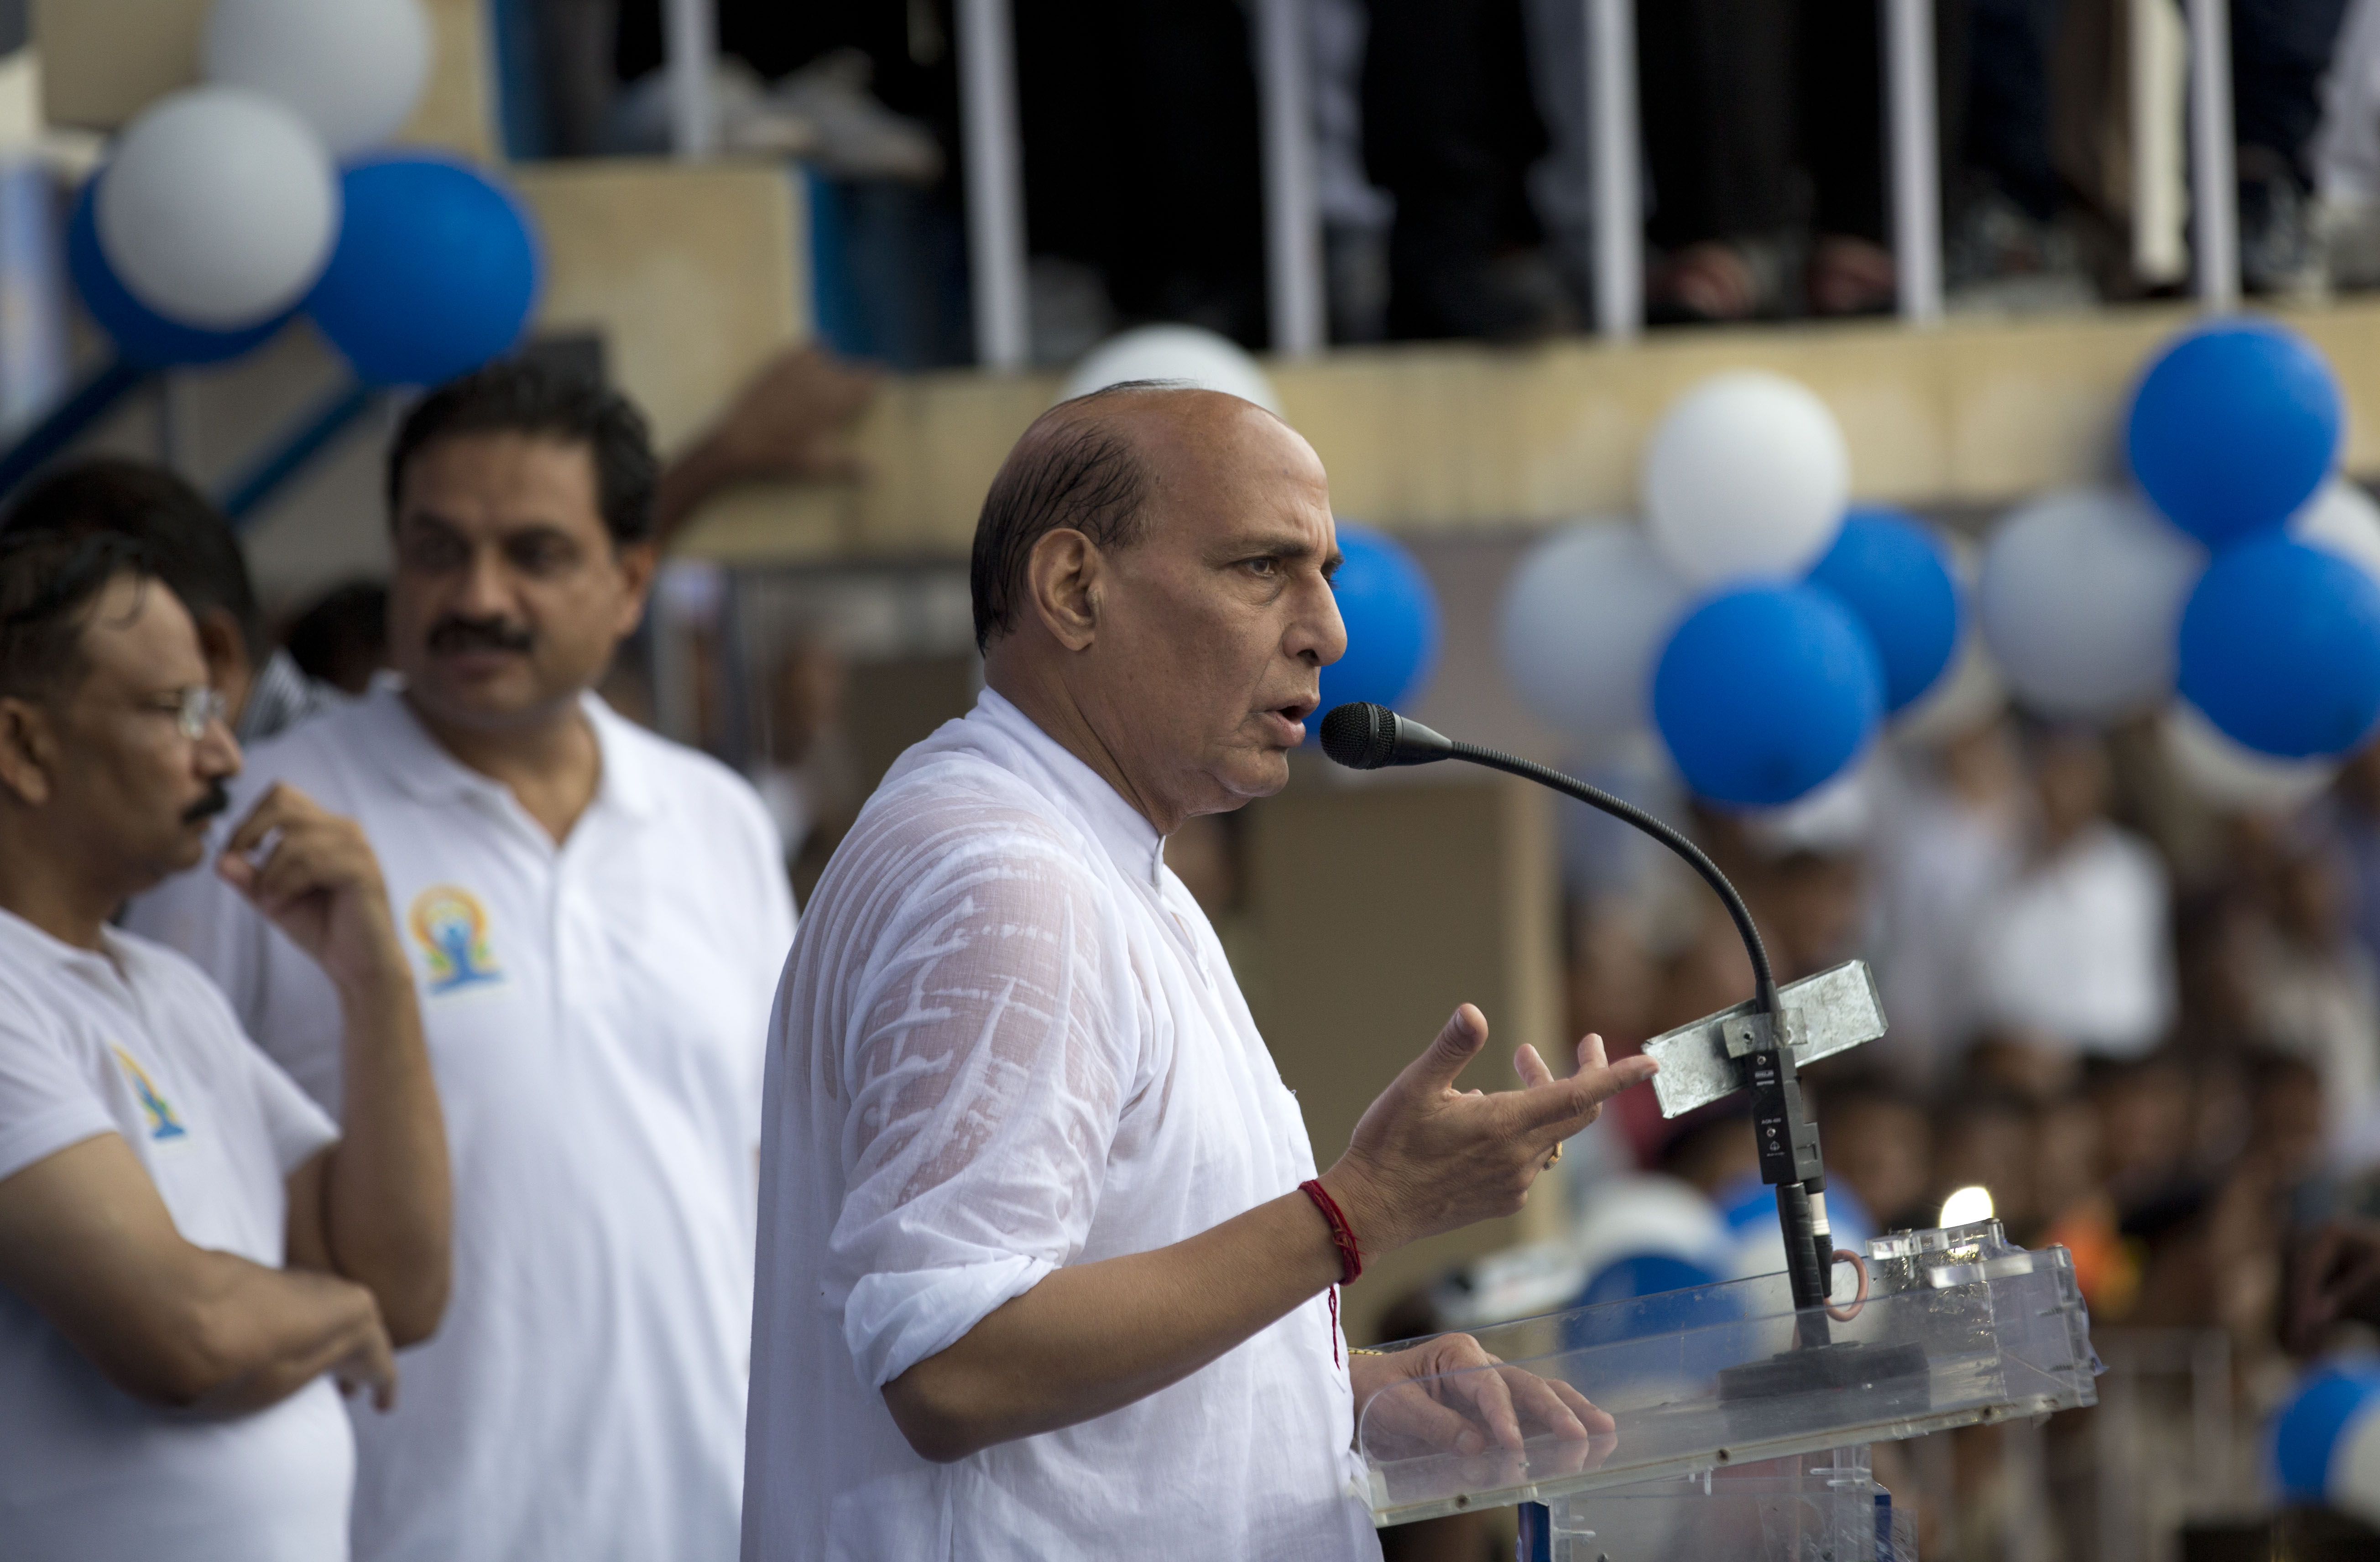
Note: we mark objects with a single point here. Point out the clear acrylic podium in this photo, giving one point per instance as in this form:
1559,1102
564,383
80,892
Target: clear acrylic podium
1741,1427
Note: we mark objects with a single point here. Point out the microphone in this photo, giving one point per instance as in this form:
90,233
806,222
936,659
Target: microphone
1364,736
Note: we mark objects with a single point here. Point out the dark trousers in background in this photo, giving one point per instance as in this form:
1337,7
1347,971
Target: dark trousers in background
1759,114
1449,130
2279,51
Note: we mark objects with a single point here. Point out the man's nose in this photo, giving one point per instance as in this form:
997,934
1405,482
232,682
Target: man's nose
1317,630
486,589
216,754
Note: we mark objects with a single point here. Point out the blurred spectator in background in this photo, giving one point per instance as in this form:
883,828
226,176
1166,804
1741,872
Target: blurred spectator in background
788,424
342,639
1984,1138
194,552
2072,958
2348,819
1449,131
1762,121
1878,1140
2310,987
2280,51
1950,835
807,778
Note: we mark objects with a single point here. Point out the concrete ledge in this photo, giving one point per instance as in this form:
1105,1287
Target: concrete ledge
1438,438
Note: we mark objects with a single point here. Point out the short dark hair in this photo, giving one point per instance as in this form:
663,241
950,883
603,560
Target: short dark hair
528,396
184,539
1082,474
49,581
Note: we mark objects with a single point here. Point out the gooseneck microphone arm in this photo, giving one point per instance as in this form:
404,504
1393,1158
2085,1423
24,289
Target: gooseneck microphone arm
1764,982
1364,736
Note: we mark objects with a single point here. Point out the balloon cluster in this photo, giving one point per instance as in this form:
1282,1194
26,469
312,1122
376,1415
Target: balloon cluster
1760,624
224,209
2242,574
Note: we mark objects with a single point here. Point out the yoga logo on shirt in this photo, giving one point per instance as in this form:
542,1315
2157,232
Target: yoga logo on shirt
162,1124
451,927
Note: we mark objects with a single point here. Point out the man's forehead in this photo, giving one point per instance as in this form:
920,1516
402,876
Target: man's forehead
140,633
1229,468
501,478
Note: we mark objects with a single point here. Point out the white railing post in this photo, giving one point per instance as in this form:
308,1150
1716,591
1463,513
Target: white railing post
2213,185
1292,212
1615,200
995,183
1914,154
2158,79
693,57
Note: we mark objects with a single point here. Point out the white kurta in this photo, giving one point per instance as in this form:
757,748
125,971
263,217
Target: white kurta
1008,1041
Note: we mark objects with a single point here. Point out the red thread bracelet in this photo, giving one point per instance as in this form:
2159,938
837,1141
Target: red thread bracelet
1343,1236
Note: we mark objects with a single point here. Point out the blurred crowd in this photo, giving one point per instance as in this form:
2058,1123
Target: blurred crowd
2147,1024
1453,155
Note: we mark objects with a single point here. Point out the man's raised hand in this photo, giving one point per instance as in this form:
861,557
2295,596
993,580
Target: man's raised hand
1427,1158
314,875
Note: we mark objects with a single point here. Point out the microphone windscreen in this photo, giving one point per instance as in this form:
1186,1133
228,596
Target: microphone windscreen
1360,735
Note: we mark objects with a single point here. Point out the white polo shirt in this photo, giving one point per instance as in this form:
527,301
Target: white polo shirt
134,1041
1009,1041
595,1014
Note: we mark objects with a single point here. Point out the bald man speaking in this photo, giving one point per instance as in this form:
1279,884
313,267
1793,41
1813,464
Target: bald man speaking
1045,1269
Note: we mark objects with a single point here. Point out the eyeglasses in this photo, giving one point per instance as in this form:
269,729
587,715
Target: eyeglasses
194,709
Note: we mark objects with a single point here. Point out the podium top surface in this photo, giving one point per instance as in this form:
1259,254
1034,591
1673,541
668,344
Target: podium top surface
1956,1326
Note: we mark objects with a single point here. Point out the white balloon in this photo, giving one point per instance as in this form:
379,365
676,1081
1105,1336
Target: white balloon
1746,475
1185,353
218,208
2342,518
353,69
1584,619
2233,775
2080,601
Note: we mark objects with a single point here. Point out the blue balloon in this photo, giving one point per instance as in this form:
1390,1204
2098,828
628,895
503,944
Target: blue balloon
2307,1430
1393,624
1765,692
141,334
435,272
2233,428
1894,578
2280,649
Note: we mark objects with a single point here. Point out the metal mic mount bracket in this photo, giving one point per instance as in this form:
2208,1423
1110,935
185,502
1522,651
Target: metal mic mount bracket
1708,1061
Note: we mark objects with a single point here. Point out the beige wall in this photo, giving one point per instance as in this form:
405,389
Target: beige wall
694,275
103,61
1452,436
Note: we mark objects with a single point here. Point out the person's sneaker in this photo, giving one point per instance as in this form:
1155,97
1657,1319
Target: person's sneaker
2279,256
1516,296
2347,232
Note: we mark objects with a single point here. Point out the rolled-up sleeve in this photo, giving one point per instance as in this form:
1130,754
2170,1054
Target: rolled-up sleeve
989,1055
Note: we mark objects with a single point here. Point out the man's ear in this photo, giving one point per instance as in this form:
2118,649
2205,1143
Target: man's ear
1062,586
226,650
637,563
28,750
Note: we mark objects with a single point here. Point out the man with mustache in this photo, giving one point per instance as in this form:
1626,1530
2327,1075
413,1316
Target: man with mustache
596,918
1045,1267
191,1252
